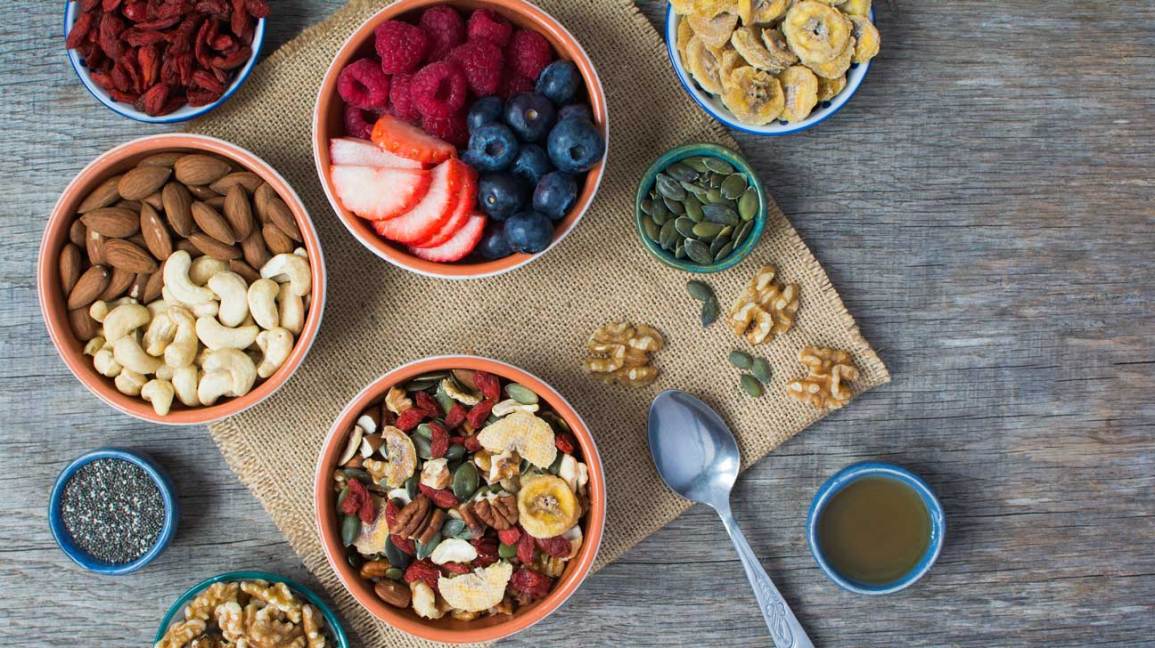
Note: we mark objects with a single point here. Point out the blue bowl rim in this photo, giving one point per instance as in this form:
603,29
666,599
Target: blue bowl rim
680,72
331,619
70,8
78,555
692,150
849,475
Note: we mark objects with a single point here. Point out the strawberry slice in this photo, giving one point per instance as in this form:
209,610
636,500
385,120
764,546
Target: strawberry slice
409,141
374,193
426,217
465,204
459,246
357,152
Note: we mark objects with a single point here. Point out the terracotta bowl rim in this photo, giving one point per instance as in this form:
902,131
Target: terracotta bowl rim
592,533
55,314
457,271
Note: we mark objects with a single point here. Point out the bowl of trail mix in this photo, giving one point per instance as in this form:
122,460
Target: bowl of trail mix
460,499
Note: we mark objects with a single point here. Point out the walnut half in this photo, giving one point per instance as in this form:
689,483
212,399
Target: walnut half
622,352
765,309
825,386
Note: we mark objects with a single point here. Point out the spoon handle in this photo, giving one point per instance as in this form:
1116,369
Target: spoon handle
784,627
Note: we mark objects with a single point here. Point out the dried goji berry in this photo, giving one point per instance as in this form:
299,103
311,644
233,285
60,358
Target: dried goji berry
359,502
509,536
529,584
149,61
123,97
557,546
136,11
109,36
565,442
80,30
239,20
424,571
488,384
89,5
472,444
207,81
257,8
455,416
404,544
110,5
214,7
140,37
456,568
234,60
439,442
391,511
224,43
442,497
479,413
427,404
456,440
154,101
408,420
526,548
486,551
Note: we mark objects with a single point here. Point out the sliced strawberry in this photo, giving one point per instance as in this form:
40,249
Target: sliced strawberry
465,204
409,141
426,217
358,152
374,193
459,246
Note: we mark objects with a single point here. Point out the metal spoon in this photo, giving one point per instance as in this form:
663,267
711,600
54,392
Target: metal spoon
697,456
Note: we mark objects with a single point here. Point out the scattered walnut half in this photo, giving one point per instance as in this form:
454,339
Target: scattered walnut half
622,352
824,387
765,309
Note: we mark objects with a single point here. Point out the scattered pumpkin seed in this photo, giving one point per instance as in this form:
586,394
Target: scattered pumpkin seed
660,213
521,393
748,204
341,497
465,480
699,290
761,369
733,186
705,231
740,360
555,467
425,430
358,473
417,385
350,529
698,252
709,312
751,386
685,226
715,181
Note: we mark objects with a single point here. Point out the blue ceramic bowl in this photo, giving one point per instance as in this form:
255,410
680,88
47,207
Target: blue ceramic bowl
185,113
716,109
332,621
696,150
82,558
849,475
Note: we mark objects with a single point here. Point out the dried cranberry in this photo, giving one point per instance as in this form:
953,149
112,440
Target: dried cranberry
442,497
455,416
479,414
489,384
408,420
428,404
424,571
439,443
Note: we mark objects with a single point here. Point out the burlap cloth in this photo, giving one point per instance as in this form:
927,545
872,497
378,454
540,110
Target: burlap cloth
538,317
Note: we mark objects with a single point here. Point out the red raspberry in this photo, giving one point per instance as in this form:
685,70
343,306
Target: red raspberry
364,85
509,536
483,64
404,544
557,546
565,442
528,53
427,404
442,497
409,419
525,549
488,384
456,568
529,584
479,415
423,570
401,99
445,29
439,89
514,84
358,122
488,25
453,129
401,46
455,416
439,444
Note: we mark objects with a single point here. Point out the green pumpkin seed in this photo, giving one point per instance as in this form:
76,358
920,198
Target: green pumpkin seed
653,230
713,196
699,290
743,231
715,181
676,208
682,171
660,212
740,359
394,573
718,242
506,552
751,386
733,186
694,209
358,473
680,250
718,165
443,398
748,204
709,312
354,559
350,529
521,394
411,487
465,480
761,369
667,235
669,188
425,430
424,549
706,231
723,252
452,528
421,385
696,163
455,452
432,376
721,213
685,226
698,252
341,497
647,207
423,446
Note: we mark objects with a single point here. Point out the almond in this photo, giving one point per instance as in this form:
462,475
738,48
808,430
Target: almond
130,205
203,193
162,159
156,234
94,246
277,241
239,212
152,289
261,198
212,223
83,326
244,269
77,232
282,217
155,201
128,257
139,283
246,179
113,222
197,170
216,202
70,266
214,248
118,283
103,195
177,205
88,287
255,251
142,182
184,244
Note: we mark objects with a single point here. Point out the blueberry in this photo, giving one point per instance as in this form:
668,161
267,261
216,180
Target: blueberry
559,81
531,163
484,111
529,231
530,116
492,147
501,195
493,243
555,194
575,110
575,145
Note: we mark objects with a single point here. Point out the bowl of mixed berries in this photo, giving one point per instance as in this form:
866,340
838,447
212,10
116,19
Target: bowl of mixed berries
460,139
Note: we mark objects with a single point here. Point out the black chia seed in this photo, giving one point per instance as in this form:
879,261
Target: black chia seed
113,510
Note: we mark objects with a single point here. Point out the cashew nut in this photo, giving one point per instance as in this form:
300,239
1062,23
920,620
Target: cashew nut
123,320
105,363
178,283
262,299
276,344
129,382
159,393
228,372
183,348
184,382
215,335
292,269
95,344
157,307
203,309
160,333
100,309
292,309
231,288
164,372
130,355
204,268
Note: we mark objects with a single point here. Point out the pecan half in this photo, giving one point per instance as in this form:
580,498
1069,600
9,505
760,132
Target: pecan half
500,513
476,524
432,527
412,517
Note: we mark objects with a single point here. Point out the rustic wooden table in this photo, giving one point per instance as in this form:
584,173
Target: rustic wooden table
984,205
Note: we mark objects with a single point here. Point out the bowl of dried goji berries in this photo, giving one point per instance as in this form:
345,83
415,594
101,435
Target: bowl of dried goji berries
163,61
460,499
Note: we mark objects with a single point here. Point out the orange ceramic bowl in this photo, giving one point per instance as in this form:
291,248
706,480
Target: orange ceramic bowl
328,123
52,299
449,630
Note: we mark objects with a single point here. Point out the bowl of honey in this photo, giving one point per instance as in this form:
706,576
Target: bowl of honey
875,528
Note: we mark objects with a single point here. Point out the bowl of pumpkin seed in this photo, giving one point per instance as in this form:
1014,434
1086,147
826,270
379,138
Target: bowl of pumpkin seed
700,208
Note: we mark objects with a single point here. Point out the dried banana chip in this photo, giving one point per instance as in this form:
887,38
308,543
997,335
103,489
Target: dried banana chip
775,43
801,89
816,32
855,7
727,63
761,11
829,88
684,36
755,97
703,66
714,32
747,43
837,67
867,39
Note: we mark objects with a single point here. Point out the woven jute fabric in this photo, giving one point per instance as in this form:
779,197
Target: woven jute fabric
538,317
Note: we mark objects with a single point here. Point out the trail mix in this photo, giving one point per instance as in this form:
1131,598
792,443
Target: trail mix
185,279
112,510
248,613
160,55
700,208
773,60
461,494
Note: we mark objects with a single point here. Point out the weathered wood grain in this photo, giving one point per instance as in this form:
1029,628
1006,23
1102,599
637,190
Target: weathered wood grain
984,206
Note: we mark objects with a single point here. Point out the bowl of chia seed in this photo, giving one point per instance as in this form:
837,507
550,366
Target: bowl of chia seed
113,511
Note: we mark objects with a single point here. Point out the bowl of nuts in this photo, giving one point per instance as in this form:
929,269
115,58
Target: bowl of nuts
460,499
181,279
